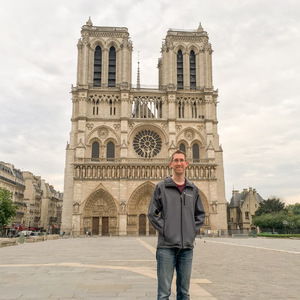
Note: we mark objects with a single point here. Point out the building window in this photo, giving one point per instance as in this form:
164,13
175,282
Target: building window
110,151
147,143
95,107
112,67
194,110
112,107
97,66
192,70
196,154
182,147
179,70
247,215
95,151
181,109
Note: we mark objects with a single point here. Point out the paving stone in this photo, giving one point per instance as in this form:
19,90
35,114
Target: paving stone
124,268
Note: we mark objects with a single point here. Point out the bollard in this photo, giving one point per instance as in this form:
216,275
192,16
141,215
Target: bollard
21,238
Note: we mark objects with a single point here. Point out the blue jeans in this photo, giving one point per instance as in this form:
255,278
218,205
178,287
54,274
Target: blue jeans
167,260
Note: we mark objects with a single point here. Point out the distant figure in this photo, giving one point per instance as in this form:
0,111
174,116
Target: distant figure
177,213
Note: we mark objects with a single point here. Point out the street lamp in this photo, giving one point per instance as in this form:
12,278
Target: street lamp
285,224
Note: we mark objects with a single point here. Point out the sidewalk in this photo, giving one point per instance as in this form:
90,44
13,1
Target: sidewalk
125,268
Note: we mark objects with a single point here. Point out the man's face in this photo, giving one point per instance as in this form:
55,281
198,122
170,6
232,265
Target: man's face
179,164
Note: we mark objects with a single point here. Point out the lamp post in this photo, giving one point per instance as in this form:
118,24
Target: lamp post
285,224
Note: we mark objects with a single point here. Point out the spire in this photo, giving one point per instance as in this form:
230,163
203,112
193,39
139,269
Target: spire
138,84
200,28
89,22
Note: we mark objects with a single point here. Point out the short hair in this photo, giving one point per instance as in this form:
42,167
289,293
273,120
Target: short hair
178,152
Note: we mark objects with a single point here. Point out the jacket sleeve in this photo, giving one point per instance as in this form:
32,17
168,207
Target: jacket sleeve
155,207
199,212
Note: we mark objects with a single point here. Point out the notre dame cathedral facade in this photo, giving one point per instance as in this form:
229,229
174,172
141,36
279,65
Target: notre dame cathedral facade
122,135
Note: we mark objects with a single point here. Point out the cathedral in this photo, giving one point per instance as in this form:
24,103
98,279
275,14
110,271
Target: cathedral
123,135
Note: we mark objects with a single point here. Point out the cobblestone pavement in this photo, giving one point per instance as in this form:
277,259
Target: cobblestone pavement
125,268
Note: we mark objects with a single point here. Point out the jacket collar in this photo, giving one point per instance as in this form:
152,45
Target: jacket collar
170,183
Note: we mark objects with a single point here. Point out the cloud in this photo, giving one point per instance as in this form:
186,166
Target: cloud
256,67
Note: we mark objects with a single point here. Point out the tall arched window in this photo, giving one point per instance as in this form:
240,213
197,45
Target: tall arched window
182,147
194,110
179,70
112,67
110,151
196,153
95,151
97,66
181,109
192,70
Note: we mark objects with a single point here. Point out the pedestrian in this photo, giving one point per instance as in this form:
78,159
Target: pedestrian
177,213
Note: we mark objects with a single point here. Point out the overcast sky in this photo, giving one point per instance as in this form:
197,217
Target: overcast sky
256,68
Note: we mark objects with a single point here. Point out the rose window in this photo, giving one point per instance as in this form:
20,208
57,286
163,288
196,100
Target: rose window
147,143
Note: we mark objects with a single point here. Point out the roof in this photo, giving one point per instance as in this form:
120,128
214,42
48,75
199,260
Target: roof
241,197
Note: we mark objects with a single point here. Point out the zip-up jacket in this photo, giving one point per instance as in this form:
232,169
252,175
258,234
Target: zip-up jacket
175,216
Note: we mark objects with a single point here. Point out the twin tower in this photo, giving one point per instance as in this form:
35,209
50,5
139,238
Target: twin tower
122,135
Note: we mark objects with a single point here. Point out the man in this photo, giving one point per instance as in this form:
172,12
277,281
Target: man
176,212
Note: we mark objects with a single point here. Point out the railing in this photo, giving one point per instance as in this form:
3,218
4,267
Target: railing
140,172
148,161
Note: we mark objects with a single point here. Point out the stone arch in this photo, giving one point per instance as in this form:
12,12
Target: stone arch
138,206
198,136
111,134
206,209
100,214
97,42
113,43
193,47
181,47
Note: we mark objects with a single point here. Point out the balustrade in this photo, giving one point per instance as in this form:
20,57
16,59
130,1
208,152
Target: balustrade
140,172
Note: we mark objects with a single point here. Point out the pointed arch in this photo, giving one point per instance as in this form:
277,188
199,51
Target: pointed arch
95,150
97,66
206,209
179,69
138,208
192,70
112,67
100,214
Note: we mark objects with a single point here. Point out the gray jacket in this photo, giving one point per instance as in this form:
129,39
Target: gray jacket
175,216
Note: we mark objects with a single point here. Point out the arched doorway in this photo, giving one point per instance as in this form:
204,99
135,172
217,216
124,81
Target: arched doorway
206,209
137,221
100,215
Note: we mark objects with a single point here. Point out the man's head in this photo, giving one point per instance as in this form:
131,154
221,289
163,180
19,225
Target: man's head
178,162
178,152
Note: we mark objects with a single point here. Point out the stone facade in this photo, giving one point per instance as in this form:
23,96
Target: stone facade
241,208
12,180
39,204
123,136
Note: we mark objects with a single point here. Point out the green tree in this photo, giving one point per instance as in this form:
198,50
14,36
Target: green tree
8,209
294,208
269,206
271,221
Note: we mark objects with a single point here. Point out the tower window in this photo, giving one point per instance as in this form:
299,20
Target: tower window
179,70
112,107
196,154
110,151
95,107
112,67
97,66
182,147
194,110
192,70
180,109
95,151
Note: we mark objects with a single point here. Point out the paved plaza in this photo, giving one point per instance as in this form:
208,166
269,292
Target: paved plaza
125,268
